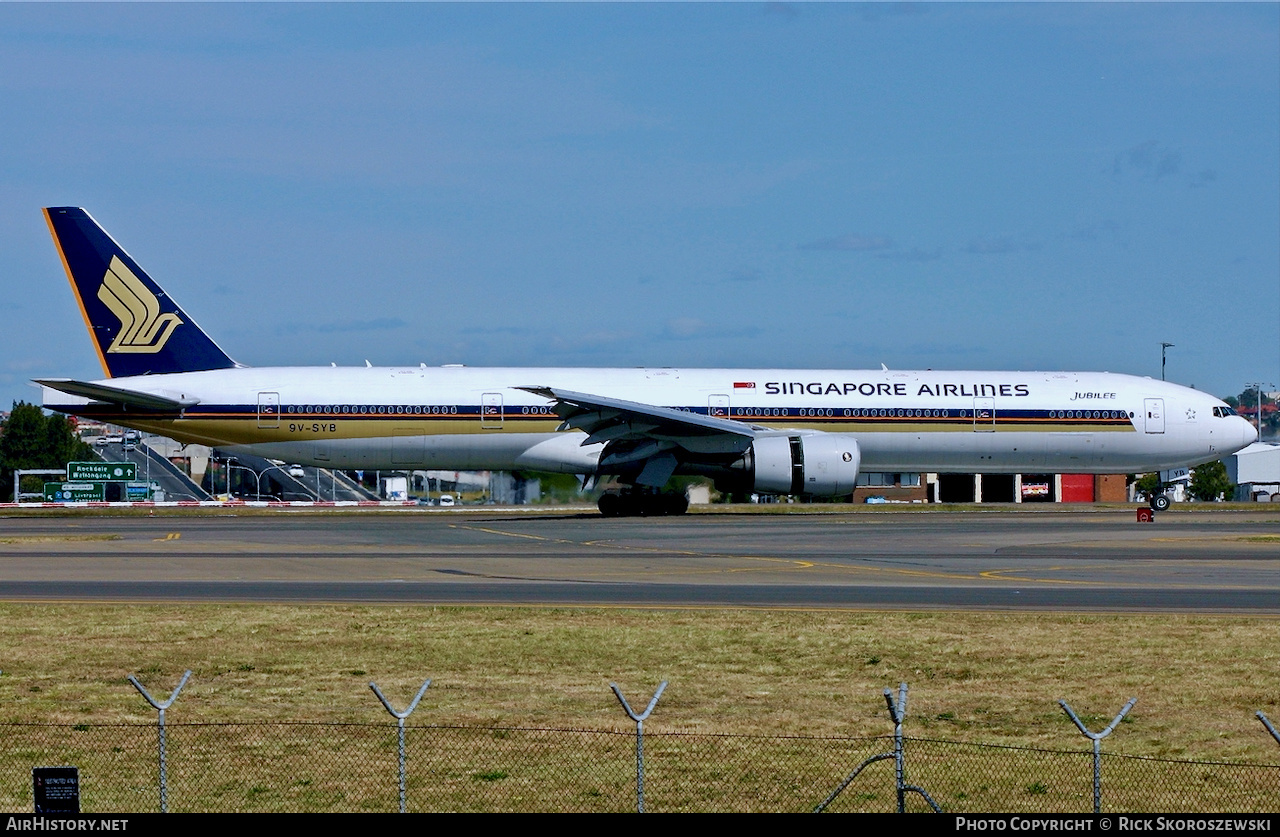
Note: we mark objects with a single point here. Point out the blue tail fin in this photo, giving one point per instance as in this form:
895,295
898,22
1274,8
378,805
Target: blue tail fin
136,327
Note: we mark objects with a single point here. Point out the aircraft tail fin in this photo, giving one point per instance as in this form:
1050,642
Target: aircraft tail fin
136,327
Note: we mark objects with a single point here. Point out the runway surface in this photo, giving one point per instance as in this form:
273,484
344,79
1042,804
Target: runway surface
1058,560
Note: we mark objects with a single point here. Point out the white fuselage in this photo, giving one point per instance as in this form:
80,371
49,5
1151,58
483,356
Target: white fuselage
475,418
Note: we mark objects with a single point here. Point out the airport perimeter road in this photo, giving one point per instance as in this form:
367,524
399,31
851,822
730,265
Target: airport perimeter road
1077,560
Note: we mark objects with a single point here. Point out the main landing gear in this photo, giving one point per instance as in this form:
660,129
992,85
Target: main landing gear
635,503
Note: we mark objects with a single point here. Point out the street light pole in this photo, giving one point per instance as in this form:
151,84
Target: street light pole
279,468
257,478
1257,389
1163,347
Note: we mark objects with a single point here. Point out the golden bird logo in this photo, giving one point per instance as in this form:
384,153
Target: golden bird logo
143,329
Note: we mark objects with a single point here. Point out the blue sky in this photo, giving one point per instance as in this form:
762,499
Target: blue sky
1003,186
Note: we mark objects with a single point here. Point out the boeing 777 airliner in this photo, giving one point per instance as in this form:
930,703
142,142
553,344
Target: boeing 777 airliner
777,431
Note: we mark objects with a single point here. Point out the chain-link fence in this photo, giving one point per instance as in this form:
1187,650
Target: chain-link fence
354,767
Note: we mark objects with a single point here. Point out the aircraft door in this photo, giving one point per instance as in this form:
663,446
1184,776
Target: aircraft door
718,406
984,415
268,410
491,411
1154,409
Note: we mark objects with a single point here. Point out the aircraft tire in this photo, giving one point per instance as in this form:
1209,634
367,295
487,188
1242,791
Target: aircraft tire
610,505
1160,502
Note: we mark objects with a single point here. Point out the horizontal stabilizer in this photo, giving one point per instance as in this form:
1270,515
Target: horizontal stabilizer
123,397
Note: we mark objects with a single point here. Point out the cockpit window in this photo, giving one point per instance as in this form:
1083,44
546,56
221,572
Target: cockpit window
1223,412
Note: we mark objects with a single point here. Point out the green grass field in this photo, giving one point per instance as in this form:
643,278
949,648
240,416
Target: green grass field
980,677
740,681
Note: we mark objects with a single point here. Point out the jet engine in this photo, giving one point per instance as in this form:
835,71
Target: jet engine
821,464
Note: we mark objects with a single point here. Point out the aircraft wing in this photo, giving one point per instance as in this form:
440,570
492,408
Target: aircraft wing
646,440
611,419
119,396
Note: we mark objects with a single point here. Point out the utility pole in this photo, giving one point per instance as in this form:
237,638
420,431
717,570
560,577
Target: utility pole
1257,389
1163,348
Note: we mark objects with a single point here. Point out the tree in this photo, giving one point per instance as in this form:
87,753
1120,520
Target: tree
1148,484
1249,399
30,439
1209,482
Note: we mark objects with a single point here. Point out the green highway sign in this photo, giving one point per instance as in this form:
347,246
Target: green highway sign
101,471
74,492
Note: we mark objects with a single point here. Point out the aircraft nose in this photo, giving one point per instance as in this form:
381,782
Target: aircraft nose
1248,434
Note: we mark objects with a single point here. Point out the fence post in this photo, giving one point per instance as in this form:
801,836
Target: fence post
1266,723
1097,744
897,713
400,716
639,719
161,707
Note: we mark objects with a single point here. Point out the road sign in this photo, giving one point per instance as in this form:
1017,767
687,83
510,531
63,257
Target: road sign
74,492
102,471
137,491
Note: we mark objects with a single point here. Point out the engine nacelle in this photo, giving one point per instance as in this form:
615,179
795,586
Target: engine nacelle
822,464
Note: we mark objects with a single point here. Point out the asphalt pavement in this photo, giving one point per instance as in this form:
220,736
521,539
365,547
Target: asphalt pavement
1019,559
